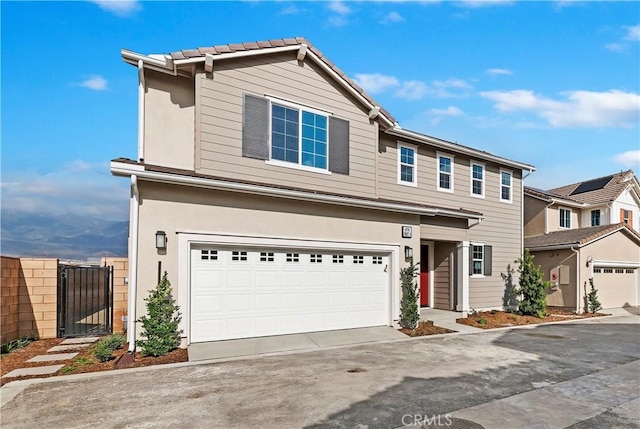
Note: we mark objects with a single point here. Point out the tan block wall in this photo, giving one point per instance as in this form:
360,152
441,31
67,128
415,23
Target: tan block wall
120,290
38,297
29,290
9,299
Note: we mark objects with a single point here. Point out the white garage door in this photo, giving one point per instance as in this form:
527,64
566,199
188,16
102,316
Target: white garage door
248,292
617,287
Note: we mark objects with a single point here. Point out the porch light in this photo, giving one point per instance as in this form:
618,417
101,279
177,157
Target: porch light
161,240
408,252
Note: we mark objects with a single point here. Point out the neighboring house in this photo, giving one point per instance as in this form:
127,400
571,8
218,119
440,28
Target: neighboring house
587,230
290,200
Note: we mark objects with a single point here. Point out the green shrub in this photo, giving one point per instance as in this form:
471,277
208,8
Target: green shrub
102,351
409,312
531,287
19,343
115,341
483,321
592,298
160,331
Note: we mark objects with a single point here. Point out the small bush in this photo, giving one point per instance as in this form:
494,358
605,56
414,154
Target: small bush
115,341
103,351
409,311
15,345
482,321
531,290
592,298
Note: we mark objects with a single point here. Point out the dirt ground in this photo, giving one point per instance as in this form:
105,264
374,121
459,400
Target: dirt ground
425,328
502,319
83,362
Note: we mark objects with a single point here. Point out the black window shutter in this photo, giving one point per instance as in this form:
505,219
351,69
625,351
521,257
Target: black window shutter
255,127
338,145
488,256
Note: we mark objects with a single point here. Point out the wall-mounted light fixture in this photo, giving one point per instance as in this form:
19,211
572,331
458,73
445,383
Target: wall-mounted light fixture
161,240
408,252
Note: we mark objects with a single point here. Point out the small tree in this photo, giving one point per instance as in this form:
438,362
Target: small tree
592,298
531,290
160,331
409,313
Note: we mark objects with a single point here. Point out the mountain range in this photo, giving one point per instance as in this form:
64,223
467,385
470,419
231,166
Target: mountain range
66,236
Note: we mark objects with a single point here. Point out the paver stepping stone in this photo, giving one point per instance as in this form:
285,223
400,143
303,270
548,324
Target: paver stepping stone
52,357
67,347
38,370
81,340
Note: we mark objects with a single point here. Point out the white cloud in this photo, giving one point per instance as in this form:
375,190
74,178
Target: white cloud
339,7
633,33
291,9
78,187
578,108
629,159
449,111
451,83
96,82
119,7
375,83
496,72
616,47
392,18
412,90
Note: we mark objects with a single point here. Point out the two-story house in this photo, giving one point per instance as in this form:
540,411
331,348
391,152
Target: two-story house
587,230
281,198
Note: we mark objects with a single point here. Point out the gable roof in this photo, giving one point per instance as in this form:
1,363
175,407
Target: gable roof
578,237
169,64
599,190
549,197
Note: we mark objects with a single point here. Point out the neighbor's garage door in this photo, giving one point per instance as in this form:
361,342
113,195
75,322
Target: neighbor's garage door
617,287
244,292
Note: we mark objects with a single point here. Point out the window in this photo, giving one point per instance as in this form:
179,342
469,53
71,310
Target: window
565,218
288,125
266,257
376,260
626,216
407,174
238,256
315,258
619,271
477,180
286,134
597,270
607,270
445,173
293,257
595,217
480,259
338,259
209,255
505,186
357,259
629,271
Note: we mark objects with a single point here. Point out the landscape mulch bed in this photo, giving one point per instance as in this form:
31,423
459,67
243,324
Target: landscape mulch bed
425,328
502,319
82,363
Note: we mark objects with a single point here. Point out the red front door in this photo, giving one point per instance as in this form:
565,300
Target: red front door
424,276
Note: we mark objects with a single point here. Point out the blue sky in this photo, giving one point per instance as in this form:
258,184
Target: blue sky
553,84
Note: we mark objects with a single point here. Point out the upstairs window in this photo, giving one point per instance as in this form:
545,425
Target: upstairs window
565,218
289,135
595,217
445,173
626,216
477,180
506,186
407,161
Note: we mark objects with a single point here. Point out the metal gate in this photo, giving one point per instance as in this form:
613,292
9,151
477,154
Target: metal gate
85,300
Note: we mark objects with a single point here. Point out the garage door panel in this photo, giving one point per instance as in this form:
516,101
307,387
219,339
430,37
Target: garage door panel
244,292
617,287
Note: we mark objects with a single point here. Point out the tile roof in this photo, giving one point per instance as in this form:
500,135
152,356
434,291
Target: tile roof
275,43
546,195
596,191
575,237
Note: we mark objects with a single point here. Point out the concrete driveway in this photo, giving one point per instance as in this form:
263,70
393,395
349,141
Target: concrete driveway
579,374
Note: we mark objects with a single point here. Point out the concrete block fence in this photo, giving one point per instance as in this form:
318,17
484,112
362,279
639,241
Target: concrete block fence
28,296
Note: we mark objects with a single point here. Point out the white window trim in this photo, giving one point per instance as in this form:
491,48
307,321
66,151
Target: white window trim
300,108
453,161
484,178
481,275
560,217
415,164
502,200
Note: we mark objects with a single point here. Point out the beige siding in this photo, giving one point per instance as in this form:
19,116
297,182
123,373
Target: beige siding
284,77
534,216
553,218
443,262
564,295
169,121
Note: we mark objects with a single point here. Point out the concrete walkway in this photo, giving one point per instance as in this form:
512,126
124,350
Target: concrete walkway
283,343
53,356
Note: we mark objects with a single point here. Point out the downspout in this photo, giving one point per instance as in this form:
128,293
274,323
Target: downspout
141,88
577,279
522,211
133,264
